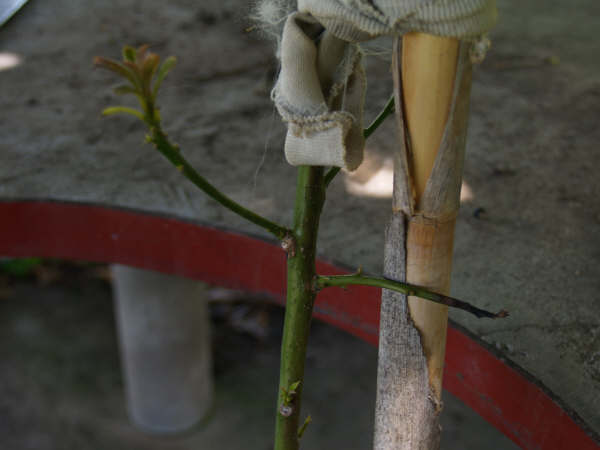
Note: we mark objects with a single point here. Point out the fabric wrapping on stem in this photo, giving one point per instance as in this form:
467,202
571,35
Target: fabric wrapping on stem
320,91
361,20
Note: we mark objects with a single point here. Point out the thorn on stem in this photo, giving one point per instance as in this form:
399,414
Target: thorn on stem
286,410
288,244
502,314
304,425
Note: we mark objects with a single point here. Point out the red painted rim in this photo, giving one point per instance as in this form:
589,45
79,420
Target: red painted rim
502,394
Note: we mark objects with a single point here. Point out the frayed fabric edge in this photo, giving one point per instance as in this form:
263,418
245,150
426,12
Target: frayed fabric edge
324,124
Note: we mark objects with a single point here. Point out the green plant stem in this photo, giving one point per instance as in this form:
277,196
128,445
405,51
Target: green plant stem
310,196
323,281
172,153
330,175
386,111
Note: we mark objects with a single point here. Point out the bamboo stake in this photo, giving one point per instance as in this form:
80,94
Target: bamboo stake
429,262
428,74
432,89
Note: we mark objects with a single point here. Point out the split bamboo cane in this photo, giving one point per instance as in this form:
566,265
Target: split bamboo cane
428,74
431,84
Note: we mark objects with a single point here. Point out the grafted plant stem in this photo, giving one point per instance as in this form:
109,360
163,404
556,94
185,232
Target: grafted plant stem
310,196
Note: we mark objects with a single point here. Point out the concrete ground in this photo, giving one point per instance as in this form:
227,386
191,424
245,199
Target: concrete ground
61,385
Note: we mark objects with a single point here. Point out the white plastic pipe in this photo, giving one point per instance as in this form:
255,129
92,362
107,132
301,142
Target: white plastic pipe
164,338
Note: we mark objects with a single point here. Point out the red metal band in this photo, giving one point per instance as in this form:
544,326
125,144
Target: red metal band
505,397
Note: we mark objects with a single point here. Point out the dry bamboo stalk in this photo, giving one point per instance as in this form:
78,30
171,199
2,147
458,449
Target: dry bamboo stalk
428,73
429,262
432,85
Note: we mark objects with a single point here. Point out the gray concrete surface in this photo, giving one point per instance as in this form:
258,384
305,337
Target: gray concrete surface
531,159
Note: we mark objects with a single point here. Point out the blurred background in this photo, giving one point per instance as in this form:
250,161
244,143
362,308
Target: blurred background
61,385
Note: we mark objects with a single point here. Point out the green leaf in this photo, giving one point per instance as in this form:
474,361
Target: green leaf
141,54
294,386
123,110
149,68
125,89
136,72
129,53
166,66
19,267
118,68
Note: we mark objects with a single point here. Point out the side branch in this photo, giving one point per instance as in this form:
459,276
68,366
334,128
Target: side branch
323,281
173,154
386,111
141,69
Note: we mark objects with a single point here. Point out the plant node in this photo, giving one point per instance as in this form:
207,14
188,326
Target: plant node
288,244
286,410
